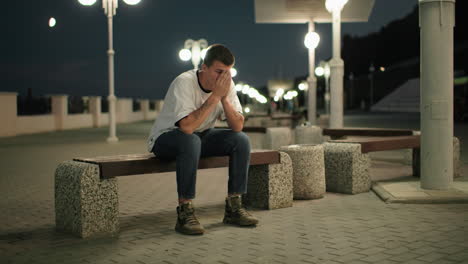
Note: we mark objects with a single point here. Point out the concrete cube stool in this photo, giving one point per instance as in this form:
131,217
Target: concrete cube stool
308,170
346,168
308,135
85,205
277,137
270,186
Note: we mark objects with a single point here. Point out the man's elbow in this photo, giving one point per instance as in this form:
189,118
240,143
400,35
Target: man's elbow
237,129
185,128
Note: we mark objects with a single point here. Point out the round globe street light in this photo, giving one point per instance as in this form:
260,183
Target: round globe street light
336,64
233,72
110,10
195,50
311,41
303,85
185,54
87,2
52,22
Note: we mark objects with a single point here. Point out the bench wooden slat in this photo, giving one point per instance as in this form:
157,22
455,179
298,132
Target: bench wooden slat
377,132
134,164
251,129
383,143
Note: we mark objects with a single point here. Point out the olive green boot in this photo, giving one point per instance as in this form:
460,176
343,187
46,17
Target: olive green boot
187,222
236,215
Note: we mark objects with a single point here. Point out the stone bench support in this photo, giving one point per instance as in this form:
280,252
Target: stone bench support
85,205
346,168
270,186
308,170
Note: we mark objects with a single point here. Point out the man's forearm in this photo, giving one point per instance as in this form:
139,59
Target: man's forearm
197,117
234,119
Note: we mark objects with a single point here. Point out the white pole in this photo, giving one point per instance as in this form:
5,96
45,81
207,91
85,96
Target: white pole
196,54
112,99
437,19
336,75
312,83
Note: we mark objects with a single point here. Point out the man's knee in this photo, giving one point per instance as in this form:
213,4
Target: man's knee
242,140
189,143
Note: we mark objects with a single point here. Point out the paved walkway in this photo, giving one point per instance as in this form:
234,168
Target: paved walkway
336,229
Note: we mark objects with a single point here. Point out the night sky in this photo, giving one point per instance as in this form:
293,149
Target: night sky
71,57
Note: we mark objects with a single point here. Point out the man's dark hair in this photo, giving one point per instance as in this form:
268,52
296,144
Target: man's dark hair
218,52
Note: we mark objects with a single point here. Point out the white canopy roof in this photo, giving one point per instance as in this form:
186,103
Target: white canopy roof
301,11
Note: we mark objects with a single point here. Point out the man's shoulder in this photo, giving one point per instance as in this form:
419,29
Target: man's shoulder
186,76
186,81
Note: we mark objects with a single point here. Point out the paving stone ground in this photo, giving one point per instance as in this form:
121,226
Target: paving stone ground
335,229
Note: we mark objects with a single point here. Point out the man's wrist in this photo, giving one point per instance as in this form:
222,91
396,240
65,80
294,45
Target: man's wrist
216,97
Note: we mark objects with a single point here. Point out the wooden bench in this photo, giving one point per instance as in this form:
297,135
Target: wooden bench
382,143
134,164
86,197
347,161
335,133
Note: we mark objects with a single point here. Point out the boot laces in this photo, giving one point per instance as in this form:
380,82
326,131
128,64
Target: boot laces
190,217
242,212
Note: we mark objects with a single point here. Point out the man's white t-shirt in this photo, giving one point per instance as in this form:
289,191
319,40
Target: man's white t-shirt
183,97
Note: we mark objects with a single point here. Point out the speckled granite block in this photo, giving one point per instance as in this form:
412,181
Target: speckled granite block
308,164
277,137
85,205
457,165
270,186
308,135
346,168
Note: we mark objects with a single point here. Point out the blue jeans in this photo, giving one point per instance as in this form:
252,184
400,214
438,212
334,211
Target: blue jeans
187,149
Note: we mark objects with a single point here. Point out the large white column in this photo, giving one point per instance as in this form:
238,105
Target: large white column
312,83
437,20
336,74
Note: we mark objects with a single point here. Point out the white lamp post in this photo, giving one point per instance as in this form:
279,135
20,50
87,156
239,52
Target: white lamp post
311,41
195,50
371,85
110,8
324,70
336,64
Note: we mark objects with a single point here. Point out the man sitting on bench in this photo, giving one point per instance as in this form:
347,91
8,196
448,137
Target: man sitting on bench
184,131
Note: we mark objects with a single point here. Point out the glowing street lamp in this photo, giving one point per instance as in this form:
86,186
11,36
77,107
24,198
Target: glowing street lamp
311,41
52,22
110,10
195,50
233,72
303,85
336,64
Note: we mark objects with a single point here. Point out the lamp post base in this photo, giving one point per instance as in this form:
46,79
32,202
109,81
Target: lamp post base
112,139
